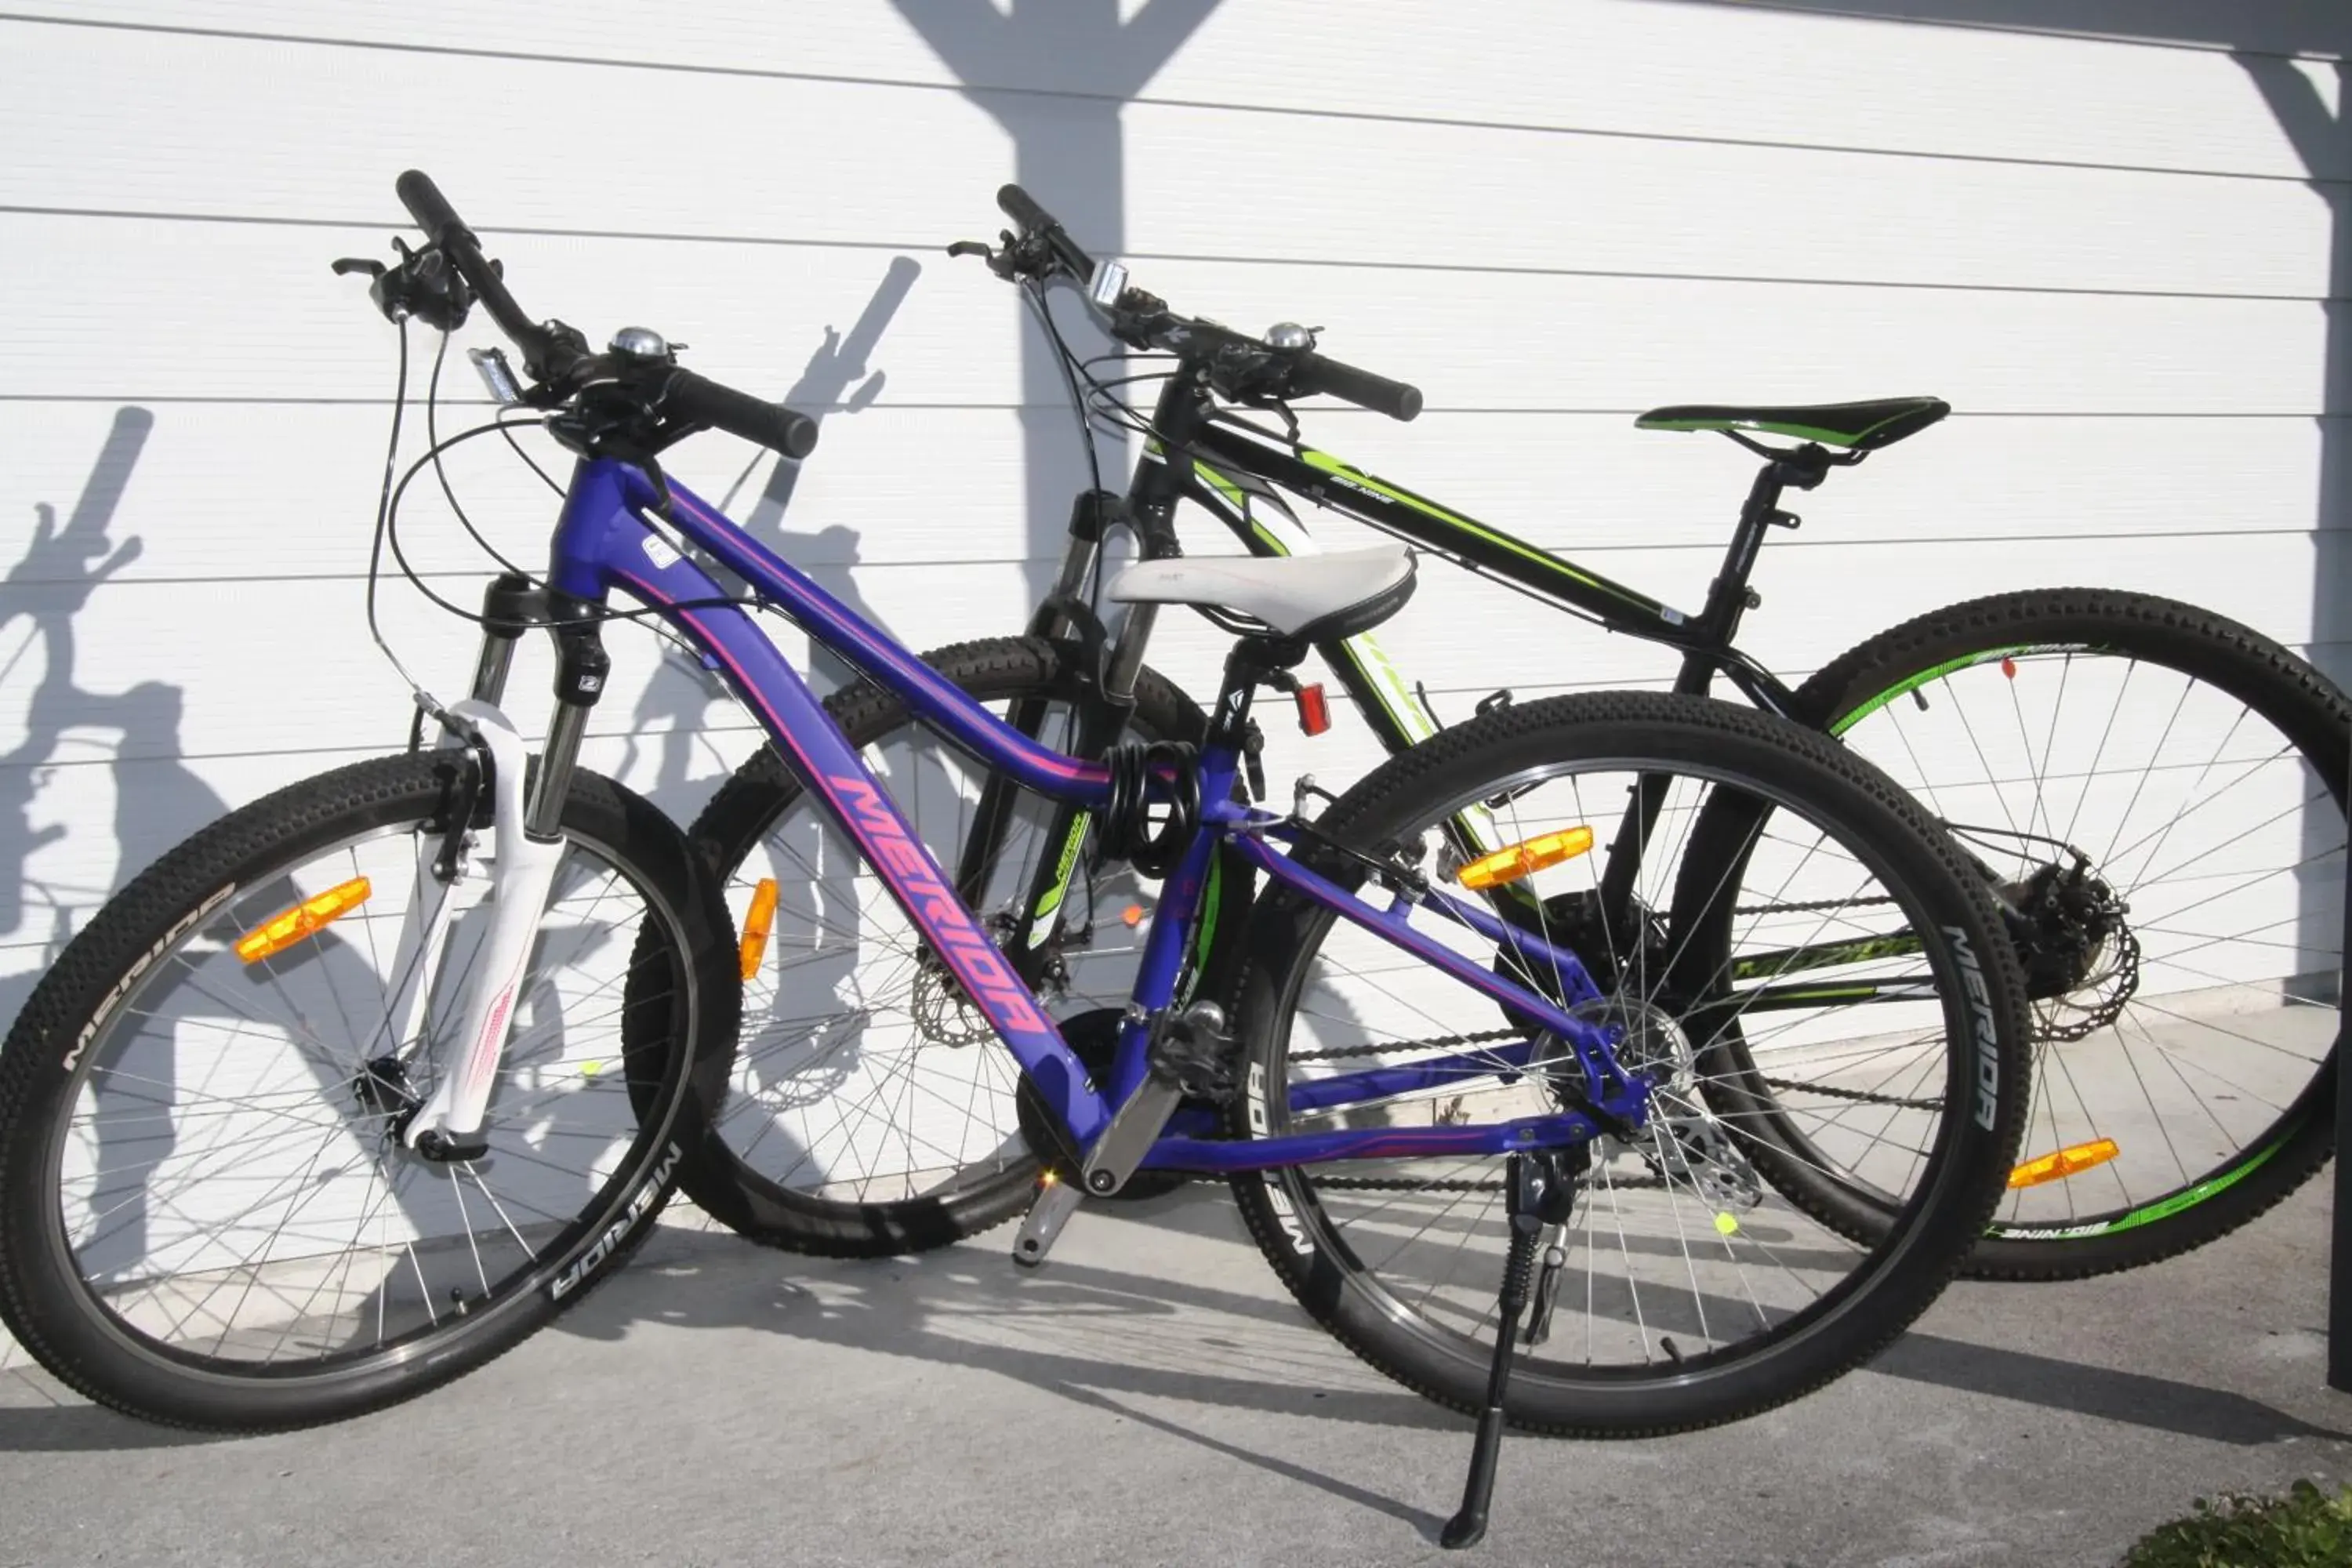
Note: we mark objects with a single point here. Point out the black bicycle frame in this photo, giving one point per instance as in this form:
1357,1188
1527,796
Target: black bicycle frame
1225,466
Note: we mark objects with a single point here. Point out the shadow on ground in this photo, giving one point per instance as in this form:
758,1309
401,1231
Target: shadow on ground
1114,1334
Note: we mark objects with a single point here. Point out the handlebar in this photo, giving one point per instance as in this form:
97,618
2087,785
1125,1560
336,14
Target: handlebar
1036,222
1145,322
1312,372
544,355
552,352
429,208
702,401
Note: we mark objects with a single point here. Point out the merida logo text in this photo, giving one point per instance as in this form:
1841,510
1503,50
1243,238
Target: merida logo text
614,1234
970,954
1294,1229
1988,1031
131,977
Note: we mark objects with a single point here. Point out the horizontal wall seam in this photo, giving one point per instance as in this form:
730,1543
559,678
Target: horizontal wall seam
1201,257
1857,13
1063,409
1152,100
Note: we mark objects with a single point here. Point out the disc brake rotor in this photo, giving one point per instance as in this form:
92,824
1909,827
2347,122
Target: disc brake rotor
1682,1138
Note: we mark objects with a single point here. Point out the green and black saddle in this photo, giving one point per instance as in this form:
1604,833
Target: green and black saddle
1857,426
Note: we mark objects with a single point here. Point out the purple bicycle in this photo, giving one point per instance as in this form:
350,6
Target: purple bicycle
362,1085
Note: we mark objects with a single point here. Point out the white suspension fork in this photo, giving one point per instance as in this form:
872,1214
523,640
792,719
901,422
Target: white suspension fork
424,928
522,873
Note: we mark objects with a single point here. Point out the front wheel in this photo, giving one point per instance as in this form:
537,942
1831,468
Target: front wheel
208,1216
1688,1291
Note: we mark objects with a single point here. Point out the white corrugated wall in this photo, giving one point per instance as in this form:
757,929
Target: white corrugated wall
2112,254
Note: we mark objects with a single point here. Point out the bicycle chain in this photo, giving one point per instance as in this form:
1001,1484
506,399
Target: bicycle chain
1816,907
1442,1043
2121,984
1399,1184
1449,1042
1864,1096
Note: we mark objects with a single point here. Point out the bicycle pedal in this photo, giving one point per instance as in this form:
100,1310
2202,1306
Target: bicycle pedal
1042,1226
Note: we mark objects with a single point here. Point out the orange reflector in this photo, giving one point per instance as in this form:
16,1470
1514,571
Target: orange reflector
758,922
1525,860
2008,667
1132,914
2072,1161
280,932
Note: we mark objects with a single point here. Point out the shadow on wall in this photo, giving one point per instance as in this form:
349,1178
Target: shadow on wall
836,380
157,800
1076,65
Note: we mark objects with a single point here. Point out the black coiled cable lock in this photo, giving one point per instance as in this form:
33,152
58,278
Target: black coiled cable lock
1150,835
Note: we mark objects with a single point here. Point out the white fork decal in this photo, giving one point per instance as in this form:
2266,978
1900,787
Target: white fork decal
523,872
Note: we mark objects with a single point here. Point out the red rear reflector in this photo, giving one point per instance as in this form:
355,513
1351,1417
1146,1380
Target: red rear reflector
1314,712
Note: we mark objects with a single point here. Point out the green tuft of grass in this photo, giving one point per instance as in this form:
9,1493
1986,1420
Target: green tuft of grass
2307,1528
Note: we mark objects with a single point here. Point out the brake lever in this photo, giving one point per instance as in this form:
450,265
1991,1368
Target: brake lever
1281,411
424,285
1008,260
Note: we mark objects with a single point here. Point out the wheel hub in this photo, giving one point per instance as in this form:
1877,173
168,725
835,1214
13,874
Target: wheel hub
943,1014
2081,958
1650,1041
381,1088
1682,1142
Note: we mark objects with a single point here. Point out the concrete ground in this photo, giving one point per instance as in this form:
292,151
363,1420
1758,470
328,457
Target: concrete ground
1153,1396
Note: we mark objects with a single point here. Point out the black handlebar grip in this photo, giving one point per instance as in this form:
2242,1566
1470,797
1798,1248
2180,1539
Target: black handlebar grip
1312,373
1024,210
428,206
702,401
1017,205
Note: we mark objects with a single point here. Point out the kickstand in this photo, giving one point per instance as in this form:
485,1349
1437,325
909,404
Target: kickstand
1576,1164
1539,1193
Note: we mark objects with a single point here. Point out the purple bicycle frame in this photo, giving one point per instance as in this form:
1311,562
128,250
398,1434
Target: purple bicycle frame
606,541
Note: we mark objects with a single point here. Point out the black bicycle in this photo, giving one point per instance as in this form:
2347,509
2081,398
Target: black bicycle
2156,792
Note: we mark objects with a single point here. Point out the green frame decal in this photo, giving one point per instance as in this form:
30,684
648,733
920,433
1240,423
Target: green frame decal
1541,560
1827,956
1042,923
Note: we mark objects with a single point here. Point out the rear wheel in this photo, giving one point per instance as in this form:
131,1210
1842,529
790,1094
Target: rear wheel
2159,792
1690,1292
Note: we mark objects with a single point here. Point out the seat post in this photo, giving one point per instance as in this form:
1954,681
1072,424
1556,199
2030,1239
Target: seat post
1728,597
1252,662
